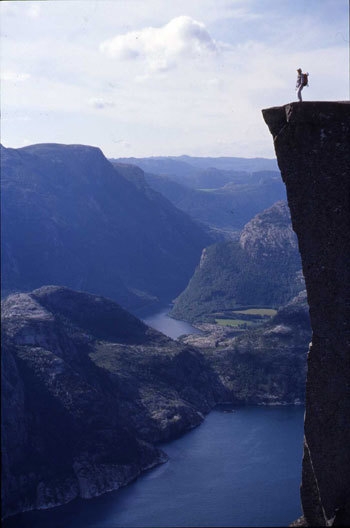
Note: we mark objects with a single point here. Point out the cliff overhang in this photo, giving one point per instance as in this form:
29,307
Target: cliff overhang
312,143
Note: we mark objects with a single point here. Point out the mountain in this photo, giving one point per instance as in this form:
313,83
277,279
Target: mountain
265,364
87,389
187,169
313,149
263,268
226,201
70,218
221,193
231,163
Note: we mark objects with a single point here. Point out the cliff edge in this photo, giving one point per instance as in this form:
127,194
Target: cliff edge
312,143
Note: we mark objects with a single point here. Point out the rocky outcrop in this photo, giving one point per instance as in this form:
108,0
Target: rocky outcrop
265,365
270,234
312,143
262,268
87,389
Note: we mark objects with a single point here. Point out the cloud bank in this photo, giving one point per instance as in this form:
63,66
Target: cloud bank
163,47
100,103
148,77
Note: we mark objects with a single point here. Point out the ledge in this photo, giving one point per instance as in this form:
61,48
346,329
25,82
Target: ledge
319,113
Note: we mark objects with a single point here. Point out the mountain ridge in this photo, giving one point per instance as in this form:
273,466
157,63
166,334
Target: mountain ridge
69,217
87,390
262,268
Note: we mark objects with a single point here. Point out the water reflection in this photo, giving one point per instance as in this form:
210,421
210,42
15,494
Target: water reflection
167,325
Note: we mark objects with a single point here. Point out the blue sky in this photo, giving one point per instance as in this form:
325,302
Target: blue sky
164,77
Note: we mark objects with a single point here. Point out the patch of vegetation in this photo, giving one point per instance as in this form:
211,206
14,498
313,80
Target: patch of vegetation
248,317
263,312
234,322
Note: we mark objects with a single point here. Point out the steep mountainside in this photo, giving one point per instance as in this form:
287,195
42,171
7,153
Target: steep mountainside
312,143
223,200
86,387
261,269
70,218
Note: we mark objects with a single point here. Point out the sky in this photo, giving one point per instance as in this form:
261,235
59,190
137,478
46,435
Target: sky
164,77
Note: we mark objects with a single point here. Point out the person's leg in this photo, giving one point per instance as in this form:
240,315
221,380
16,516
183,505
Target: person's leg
299,93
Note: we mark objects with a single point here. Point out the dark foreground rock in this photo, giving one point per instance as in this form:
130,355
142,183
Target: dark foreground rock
312,142
87,389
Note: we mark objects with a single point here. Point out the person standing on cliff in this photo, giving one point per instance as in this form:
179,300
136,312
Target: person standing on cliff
302,80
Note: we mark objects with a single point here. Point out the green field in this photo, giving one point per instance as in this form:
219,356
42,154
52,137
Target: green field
269,312
233,322
249,317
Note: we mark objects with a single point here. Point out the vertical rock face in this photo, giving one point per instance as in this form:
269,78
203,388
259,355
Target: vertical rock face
312,143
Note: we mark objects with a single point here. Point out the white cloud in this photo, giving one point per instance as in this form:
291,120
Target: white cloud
166,83
100,103
34,10
16,9
162,47
12,76
122,144
8,9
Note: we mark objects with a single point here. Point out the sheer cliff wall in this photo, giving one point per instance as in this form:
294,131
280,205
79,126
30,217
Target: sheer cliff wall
312,143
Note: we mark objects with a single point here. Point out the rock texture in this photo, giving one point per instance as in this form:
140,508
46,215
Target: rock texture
312,143
87,389
264,365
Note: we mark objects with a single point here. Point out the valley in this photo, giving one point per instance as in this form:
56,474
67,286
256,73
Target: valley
175,248
75,257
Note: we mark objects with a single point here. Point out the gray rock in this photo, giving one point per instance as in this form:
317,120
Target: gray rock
312,142
265,365
87,388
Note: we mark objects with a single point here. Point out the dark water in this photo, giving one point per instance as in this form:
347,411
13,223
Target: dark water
170,327
236,469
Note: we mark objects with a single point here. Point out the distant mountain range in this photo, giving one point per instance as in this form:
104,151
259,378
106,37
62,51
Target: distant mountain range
69,217
187,168
262,268
222,193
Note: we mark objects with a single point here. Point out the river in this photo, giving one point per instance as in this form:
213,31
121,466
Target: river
241,467
167,325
